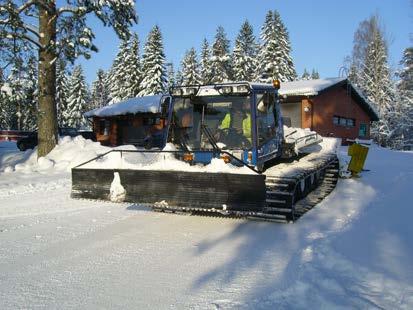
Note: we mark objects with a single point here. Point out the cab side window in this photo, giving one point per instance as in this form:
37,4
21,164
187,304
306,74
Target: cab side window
265,116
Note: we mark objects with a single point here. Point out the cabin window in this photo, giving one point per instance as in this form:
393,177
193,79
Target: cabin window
344,121
363,130
104,127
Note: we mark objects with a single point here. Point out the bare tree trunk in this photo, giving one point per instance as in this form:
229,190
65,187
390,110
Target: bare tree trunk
47,120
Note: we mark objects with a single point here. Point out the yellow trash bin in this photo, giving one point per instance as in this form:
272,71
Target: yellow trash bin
358,155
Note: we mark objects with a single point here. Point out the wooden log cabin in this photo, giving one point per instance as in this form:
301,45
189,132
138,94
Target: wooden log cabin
140,121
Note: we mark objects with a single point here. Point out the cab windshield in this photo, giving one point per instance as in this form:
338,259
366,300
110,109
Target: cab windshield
200,122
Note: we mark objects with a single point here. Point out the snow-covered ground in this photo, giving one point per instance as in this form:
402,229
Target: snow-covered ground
353,250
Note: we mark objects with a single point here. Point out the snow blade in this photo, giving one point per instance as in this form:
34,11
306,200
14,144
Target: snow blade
187,190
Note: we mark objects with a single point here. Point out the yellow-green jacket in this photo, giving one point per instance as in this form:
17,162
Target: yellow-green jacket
246,125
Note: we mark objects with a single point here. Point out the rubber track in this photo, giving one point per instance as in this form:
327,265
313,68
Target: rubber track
292,197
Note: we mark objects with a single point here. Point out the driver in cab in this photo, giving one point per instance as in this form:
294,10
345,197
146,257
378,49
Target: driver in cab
237,121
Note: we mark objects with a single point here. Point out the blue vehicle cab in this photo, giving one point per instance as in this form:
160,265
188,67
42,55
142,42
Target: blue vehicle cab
242,119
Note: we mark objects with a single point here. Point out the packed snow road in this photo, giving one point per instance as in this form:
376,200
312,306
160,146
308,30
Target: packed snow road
355,249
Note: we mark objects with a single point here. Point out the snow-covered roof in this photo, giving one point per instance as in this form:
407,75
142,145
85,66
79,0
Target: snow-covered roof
307,87
146,104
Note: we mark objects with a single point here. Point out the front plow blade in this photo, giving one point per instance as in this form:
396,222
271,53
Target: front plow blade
178,189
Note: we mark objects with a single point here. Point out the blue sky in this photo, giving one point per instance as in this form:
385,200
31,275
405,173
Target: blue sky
321,31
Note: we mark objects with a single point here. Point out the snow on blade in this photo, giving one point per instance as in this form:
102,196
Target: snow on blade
117,191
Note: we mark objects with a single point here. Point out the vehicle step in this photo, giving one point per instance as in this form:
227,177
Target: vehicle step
272,192
276,201
282,210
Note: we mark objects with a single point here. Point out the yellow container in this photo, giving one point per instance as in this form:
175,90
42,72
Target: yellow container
358,155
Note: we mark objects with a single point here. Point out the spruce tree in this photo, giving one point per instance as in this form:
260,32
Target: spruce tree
287,64
221,62
306,75
16,98
363,36
153,65
245,54
133,69
315,75
190,68
405,96
274,58
62,85
405,75
171,75
117,78
376,85
100,90
206,70
30,103
77,99
178,78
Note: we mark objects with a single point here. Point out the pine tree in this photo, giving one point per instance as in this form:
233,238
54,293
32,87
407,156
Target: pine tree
315,75
306,75
274,59
206,70
77,99
154,72
221,62
62,85
190,68
245,54
55,28
100,91
133,69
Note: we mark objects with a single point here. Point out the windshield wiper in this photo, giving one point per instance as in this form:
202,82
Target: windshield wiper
210,137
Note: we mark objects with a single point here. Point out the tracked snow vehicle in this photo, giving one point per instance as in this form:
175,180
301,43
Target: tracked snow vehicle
237,123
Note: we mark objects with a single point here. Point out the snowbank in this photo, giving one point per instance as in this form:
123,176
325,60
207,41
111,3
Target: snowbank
69,153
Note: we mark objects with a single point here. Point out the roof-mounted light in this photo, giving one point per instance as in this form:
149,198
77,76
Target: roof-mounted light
241,89
276,84
184,91
190,91
227,90
177,91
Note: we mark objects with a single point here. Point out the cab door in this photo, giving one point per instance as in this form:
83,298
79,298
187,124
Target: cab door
266,120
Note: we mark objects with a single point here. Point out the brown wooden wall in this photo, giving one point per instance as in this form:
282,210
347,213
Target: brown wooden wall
322,109
117,130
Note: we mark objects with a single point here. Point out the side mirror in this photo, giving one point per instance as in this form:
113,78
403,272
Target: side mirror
165,106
